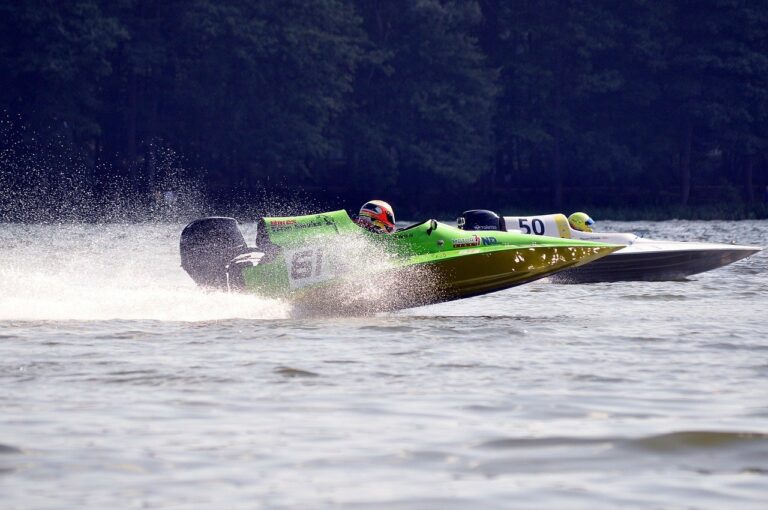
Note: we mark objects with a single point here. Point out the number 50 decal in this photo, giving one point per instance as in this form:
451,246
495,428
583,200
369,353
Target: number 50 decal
536,227
306,266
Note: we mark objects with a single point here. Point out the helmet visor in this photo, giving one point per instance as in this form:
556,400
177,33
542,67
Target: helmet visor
379,214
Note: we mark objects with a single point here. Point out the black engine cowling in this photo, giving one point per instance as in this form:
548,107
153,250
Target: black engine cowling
207,245
481,219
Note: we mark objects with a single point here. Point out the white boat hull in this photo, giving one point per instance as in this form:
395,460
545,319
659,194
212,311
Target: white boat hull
641,259
652,260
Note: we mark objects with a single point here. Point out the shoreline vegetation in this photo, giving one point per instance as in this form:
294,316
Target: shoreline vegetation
188,203
633,109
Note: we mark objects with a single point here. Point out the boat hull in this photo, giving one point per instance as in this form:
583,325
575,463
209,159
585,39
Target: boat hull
641,260
670,261
481,273
328,263
440,279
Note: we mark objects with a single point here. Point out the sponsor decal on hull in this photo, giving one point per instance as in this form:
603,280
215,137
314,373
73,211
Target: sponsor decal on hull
281,223
466,242
278,225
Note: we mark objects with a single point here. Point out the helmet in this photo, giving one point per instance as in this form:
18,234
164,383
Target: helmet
581,221
377,216
480,219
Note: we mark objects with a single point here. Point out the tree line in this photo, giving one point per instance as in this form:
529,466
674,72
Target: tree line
431,104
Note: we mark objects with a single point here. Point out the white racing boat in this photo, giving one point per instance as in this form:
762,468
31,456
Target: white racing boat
641,260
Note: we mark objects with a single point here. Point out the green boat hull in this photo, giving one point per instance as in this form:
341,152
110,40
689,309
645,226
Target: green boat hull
326,262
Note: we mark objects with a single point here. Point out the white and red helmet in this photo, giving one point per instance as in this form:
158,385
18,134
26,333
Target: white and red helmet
377,216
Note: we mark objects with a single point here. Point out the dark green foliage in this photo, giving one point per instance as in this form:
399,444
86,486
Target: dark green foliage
532,104
52,56
424,98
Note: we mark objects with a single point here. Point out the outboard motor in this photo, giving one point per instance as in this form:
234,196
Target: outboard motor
207,245
481,219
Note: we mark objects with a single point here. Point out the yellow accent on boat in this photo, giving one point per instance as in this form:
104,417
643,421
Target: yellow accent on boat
563,228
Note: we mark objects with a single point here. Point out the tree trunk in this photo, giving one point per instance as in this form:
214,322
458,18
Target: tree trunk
748,180
557,173
685,163
130,142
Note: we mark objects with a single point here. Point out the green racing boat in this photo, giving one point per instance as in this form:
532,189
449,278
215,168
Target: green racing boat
327,262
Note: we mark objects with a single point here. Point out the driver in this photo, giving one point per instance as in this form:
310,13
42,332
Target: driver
377,216
581,221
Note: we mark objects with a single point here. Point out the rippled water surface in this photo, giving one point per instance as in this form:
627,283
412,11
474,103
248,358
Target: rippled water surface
123,386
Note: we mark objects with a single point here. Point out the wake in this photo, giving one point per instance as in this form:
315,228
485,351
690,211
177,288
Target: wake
105,272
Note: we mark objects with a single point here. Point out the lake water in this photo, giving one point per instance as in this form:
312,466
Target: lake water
123,386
